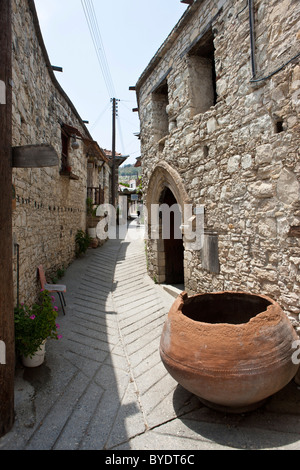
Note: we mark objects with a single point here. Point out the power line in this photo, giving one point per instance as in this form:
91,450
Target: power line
121,136
94,29
100,116
92,22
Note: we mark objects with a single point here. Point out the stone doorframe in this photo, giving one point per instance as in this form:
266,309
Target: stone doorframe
163,176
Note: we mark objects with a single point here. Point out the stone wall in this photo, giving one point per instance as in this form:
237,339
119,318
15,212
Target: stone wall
50,206
232,143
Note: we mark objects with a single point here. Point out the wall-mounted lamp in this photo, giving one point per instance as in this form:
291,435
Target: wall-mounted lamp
74,143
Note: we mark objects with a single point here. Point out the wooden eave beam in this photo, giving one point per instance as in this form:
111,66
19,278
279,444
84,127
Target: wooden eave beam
34,156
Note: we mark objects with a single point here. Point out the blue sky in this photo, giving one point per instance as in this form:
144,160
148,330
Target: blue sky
131,31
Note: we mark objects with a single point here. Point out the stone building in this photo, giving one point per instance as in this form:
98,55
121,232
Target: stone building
219,111
115,162
98,177
50,202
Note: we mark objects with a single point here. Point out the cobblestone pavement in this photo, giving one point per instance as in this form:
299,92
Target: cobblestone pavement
103,385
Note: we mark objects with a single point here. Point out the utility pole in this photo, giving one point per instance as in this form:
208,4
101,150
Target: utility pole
114,115
7,343
113,192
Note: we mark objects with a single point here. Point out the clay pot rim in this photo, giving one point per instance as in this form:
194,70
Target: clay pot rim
274,306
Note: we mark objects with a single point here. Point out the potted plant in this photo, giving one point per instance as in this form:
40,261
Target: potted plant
82,240
92,218
92,222
33,326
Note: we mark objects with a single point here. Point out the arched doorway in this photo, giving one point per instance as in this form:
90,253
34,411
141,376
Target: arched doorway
173,245
165,256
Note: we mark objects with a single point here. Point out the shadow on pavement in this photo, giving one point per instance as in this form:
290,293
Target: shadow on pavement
273,425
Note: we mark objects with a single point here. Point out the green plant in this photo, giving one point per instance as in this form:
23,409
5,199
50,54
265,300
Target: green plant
83,241
90,209
35,324
59,274
139,188
89,205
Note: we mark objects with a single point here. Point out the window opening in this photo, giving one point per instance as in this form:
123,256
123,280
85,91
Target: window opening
279,127
201,65
64,151
160,120
205,151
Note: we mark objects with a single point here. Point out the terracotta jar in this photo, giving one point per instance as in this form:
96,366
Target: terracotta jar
231,349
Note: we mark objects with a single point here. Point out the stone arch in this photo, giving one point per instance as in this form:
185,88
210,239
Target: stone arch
163,177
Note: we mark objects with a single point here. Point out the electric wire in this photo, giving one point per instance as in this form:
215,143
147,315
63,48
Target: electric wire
253,80
98,44
92,22
100,116
128,109
94,29
120,135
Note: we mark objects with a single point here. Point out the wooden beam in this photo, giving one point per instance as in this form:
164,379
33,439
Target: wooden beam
56,69
34,156
210,252
7,357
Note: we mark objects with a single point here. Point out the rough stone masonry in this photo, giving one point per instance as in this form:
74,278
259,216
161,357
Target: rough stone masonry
50,205
222,134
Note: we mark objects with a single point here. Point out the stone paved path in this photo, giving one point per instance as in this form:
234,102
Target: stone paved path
103,385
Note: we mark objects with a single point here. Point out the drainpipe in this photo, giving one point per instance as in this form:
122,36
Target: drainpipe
252,37
252,41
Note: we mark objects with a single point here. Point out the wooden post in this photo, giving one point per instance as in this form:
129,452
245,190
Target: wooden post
7,356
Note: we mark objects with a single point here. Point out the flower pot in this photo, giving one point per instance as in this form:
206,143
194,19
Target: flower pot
231,349
94,243
37,359
93,221
92,232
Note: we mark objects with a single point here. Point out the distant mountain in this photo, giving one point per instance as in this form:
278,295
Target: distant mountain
129,171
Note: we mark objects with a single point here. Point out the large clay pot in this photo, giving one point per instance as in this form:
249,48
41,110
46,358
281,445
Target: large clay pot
231,349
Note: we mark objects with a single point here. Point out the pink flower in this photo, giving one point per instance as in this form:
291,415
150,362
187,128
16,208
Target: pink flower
32,317
59,336
56,308
57,326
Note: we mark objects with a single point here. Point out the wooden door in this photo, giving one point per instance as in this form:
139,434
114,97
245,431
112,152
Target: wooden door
174,249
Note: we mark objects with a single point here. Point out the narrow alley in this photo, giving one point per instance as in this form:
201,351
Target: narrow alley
103,385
